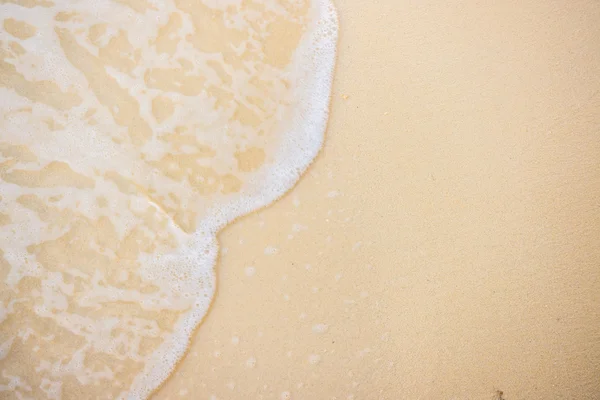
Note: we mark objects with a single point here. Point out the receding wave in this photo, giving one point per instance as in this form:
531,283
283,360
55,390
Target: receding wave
131,132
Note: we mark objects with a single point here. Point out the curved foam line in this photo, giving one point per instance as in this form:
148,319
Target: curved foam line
314,62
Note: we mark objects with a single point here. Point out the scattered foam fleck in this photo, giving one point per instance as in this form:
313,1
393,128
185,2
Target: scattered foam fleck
299,227
364,352
270,250
314,359
251,362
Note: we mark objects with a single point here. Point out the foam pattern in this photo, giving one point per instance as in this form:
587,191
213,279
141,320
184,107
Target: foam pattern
132,131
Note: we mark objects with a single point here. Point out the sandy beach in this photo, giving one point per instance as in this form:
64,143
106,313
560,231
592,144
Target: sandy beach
445,243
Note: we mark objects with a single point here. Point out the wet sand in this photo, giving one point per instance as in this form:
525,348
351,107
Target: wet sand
445,244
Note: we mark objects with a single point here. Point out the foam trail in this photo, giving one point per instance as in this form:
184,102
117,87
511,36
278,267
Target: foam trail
314,63
132,132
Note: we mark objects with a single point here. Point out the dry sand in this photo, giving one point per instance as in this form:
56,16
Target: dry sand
446,242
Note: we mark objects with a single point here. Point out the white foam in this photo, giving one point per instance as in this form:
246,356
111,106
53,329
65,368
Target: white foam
187,274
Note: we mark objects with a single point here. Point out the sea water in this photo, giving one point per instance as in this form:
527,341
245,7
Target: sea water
131,132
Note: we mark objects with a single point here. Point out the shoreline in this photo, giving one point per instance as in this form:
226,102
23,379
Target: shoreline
442,245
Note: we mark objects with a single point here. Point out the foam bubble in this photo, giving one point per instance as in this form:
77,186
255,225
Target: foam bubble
314,359
251,362
271,250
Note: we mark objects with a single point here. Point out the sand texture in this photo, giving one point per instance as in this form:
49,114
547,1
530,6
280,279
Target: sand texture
446,242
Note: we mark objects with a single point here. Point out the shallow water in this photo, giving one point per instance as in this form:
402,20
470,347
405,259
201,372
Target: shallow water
132,131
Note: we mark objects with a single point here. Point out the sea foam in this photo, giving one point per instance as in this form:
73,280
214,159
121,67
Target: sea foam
132,132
